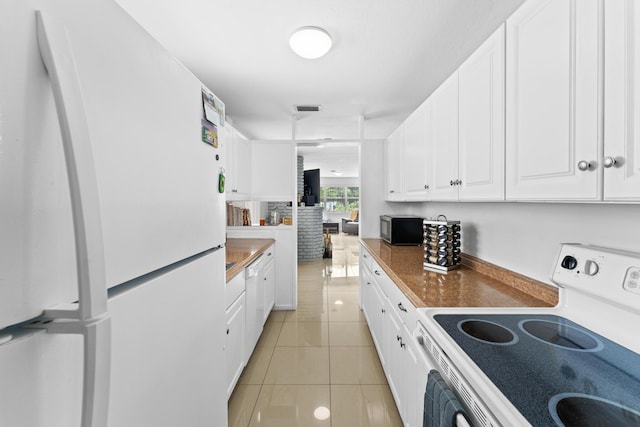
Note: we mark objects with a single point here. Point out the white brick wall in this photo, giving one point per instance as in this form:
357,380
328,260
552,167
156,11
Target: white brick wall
309,233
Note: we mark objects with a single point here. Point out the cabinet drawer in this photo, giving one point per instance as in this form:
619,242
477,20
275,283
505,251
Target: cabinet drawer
403,307
399,302
233,289
365,258
270,254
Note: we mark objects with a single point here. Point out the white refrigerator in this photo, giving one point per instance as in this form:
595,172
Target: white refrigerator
111,226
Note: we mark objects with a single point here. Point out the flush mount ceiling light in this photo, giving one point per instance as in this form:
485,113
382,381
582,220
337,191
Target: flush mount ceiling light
310,42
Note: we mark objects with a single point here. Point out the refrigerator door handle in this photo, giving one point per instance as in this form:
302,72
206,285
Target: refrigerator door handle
57,56
89,317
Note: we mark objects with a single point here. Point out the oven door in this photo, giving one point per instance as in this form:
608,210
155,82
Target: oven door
432,358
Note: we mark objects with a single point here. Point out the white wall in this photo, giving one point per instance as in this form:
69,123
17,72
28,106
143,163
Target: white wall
525,237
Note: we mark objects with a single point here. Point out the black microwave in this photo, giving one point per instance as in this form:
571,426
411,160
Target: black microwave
401,229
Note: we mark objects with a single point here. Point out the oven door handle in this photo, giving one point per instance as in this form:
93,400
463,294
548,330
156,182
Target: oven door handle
461,421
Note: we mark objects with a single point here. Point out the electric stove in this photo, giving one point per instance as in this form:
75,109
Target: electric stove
577,364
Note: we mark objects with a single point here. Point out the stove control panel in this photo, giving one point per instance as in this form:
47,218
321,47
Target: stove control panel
609,274
632,280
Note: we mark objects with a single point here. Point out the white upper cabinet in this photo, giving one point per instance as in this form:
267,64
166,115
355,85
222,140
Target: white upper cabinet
481,122
393,163
622,101
443,137
237,164
552,109
416,166
243,163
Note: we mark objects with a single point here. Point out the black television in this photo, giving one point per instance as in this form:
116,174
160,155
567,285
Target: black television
311,194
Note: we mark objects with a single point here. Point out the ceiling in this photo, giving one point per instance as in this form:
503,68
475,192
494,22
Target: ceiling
343,158
387,57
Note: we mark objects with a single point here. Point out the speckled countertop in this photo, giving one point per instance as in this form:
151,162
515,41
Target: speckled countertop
463,287
243,252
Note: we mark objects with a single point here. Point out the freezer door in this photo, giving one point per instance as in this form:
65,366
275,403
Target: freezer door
168,332
37,258
157,180
41,381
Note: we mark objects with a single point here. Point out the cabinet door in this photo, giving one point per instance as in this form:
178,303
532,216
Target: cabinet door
393,162
267,277
622,100
481,122
444,140
366,292
242,157
376,310
394,362
416,167
414,383
552,113
286,270
235,342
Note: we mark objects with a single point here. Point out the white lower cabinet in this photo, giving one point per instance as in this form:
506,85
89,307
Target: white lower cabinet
235,342
374,308
268,282
394,362
391,319
415,382
250,297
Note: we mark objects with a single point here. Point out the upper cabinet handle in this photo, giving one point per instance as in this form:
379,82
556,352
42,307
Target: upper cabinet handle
607,162
583,165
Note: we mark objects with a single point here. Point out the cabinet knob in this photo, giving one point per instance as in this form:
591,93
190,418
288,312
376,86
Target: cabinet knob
458,182
234,191
607,162
227,331
383,310
391,191
426,187
583,165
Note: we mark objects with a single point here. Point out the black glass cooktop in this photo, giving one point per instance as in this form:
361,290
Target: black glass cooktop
554,371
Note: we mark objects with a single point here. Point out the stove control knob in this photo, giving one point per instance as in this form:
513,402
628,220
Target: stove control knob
591,268
569,262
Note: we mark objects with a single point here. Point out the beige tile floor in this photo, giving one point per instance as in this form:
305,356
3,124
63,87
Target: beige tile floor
317,366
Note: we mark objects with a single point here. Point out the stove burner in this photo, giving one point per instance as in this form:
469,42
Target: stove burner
561,335
576,409
489,332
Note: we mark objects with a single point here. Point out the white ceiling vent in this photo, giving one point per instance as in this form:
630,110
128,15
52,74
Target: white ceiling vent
307,108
